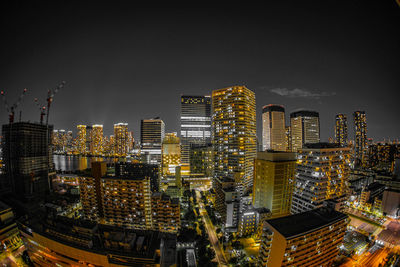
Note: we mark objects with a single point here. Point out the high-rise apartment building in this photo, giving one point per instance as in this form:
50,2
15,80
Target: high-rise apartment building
121,142
165,213
273,128
152,133
304,128
140,170
81,139
341,129
126,199
171,154
96,147
274,178
195,125
88,138
306,239
360,136
117,200
28,160
322,173
234,134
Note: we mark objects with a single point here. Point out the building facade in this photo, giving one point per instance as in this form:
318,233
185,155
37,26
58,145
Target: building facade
274,179
28,160
121,139
341,129
322,173
152,133
273,128
170,154
234,134
307,239
304,128
360,136
96,147
81,139
195,125
165,213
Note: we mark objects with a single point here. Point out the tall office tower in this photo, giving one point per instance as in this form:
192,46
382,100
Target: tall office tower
140,170
28,160
152,133
341,129
273,128
118,200
307,239
234,134
171,154
288,138
274,182
165,213
195,125
322,173
360,136
96,147
121,139
304,126
81,139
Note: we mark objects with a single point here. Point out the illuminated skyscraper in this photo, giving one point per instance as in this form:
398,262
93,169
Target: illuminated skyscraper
81,139
88,138
171,154
274,181
195,125
360,136
304,127
96,147
234,134
152,133
322,173
273,128
341,129
121,139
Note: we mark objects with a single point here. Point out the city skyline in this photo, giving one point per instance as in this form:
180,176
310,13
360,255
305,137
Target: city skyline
124,64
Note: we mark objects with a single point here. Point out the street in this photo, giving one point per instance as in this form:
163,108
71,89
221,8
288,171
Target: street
212,235
368,259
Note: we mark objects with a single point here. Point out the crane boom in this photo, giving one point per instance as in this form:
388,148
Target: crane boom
11,110
50,96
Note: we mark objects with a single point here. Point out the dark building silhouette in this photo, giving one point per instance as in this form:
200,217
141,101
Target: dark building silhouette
28,161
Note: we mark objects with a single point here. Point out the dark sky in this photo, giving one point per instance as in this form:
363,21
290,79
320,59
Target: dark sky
123,63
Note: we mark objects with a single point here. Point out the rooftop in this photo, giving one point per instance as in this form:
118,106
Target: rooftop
299,224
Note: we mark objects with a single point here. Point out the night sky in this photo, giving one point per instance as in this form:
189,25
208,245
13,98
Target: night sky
124,63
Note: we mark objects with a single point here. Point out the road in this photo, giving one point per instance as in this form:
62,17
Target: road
212,235
369,260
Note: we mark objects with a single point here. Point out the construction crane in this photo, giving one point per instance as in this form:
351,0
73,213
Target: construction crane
42,110
50,96
11,110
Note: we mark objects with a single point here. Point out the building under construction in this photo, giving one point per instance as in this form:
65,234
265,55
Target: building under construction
28,161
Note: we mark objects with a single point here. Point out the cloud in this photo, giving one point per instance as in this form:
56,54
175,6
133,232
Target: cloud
300,93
